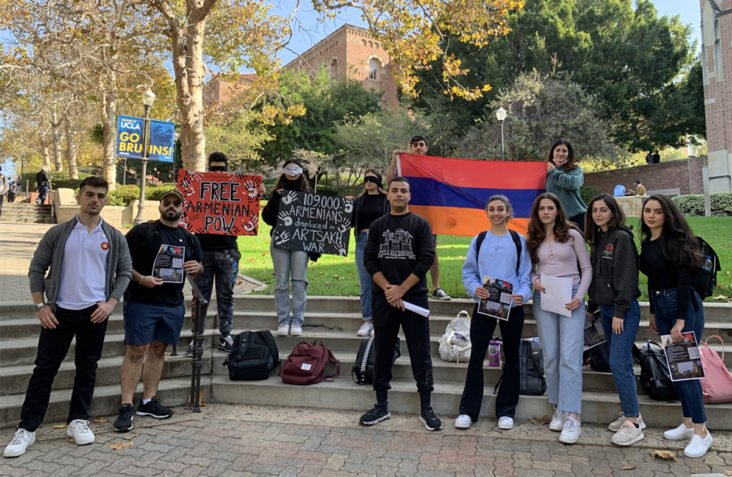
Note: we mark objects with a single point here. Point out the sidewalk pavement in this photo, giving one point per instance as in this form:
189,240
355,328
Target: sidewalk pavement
234,440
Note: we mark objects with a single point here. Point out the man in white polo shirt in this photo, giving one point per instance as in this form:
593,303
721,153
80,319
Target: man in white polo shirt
90,269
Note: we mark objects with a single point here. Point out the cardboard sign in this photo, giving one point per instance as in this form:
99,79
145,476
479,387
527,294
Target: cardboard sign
313,223
129,138
221,203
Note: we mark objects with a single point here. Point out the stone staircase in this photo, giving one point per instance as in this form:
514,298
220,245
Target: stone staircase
334,320
29,213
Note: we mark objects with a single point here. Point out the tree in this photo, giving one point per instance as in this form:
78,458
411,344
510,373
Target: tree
326,102
540,111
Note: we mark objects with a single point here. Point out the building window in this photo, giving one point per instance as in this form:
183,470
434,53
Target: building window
334,68
374,67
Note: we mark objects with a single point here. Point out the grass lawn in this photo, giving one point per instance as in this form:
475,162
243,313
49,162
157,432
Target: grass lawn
334,275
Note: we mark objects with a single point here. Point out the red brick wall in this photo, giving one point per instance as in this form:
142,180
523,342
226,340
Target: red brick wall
685,175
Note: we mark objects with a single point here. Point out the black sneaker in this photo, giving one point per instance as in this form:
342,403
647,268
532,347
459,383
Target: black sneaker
375,416
440,294
225,343
124,419
154,409
430,421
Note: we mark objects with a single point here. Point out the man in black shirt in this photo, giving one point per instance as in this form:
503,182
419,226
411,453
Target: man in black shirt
162,253
43,180
398,254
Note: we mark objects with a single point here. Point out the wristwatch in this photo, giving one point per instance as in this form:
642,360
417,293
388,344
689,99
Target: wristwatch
38,306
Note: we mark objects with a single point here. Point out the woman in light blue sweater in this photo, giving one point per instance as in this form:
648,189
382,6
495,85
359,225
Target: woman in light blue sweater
564,178
500,254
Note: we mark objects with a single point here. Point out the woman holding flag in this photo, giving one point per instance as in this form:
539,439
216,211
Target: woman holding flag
501,255
564,178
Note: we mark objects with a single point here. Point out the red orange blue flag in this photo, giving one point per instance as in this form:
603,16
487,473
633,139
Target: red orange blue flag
452,193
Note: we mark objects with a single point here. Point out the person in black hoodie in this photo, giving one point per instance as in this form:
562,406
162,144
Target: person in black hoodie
398,254
670,251
614,289
289,265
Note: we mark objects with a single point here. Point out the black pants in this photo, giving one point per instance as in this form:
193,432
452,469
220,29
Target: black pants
481,330
579,220
387,320
52,348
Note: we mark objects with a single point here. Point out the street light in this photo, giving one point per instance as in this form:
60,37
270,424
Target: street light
148,98
501,116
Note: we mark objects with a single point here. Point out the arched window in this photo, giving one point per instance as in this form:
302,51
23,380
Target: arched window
374,68
334,67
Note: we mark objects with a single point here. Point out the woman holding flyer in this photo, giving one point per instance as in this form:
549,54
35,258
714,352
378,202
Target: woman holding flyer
497,258
367,207
289,265
669,253
556,247
614,289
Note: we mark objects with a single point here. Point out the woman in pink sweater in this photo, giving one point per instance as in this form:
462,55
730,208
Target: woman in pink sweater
556,247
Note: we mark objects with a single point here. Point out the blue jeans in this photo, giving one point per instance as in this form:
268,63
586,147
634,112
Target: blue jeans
222,265
562,340
690,392
290,264
621,355
364,277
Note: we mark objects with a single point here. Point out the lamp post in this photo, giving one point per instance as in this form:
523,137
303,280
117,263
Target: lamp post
501,116
148,98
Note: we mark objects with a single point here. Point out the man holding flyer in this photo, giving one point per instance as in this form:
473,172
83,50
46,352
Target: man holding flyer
162,253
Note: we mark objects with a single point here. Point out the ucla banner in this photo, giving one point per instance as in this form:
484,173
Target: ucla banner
451,193
129,139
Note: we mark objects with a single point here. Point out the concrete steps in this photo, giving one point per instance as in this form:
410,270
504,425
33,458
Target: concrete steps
335,321
28,213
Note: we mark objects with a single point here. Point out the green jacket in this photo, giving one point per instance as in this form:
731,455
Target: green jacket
565,185
50,253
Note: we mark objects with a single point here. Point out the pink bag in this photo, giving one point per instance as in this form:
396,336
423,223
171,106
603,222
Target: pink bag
717,387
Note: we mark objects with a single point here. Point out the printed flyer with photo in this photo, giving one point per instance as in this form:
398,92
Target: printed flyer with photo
168,264
594,332
498,304
684,360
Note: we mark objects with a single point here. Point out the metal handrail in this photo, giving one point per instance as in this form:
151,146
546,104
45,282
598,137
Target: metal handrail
198,305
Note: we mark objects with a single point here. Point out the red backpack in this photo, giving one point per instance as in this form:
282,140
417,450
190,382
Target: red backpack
306,364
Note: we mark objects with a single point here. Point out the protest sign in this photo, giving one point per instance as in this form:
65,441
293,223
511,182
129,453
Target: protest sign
129,139
313,223
219,202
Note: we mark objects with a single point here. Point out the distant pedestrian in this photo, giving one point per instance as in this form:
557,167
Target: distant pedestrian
640,189
656,158
90,268
4,189
12,190
43,180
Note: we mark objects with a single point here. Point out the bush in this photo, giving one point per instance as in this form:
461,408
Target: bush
587,193
59,180
342,191
123,195
693,204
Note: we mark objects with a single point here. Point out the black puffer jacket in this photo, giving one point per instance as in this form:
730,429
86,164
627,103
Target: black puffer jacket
614,260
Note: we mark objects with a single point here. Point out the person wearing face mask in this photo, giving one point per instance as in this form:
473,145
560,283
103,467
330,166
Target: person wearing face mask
368,206
220,262
564,178
289,265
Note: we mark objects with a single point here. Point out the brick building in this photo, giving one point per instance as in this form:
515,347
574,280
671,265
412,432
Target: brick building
218,92
716,18
351,51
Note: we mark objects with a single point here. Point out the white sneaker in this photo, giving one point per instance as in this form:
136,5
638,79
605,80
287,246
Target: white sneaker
679,433
505,423
78,430
21,440
463,421
283,329
557,423
295,330
627,435
698,446
618,423
366,329
570,431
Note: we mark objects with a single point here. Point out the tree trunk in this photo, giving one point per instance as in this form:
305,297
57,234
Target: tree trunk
46,152
109,136
190,96
56,140
71,149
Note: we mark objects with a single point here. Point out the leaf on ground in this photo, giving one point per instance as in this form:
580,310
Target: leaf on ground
121,445
663,454
100,420
540,421
70,439
628,467
59,426
727,472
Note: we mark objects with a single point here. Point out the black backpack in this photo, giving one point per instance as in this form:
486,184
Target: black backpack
704,279
363,369
655,377
253,356
531,365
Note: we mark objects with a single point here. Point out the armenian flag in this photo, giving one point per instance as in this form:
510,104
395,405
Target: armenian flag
452,193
